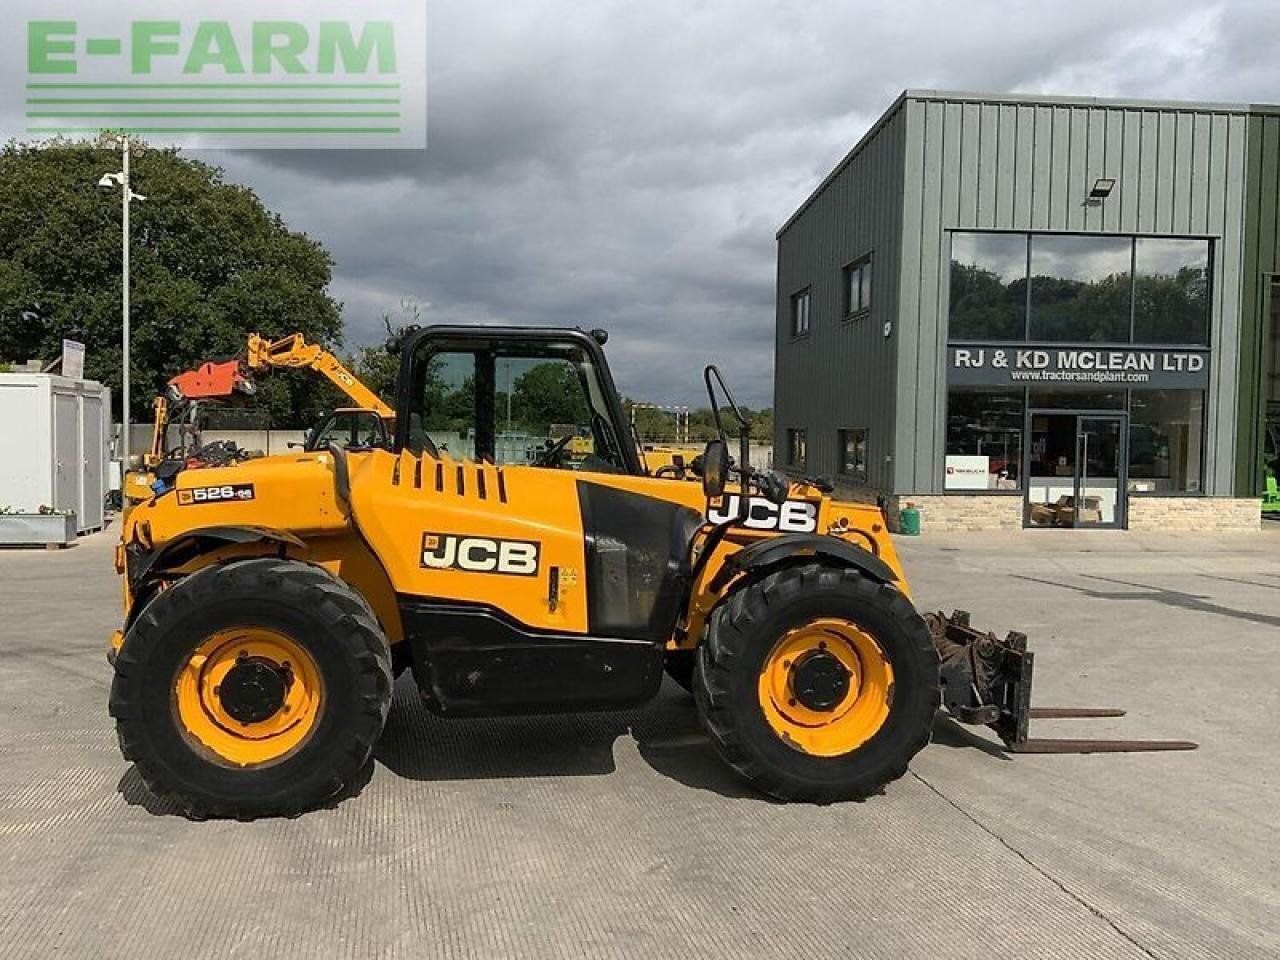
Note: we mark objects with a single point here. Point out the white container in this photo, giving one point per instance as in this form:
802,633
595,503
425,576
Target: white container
53,445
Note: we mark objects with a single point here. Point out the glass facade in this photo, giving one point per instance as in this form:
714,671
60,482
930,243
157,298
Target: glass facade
1166,430
1075,288
988,286
1081,289
1171,291
984,439
1048,399
985,436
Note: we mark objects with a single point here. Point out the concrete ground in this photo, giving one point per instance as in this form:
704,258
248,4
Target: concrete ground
622,834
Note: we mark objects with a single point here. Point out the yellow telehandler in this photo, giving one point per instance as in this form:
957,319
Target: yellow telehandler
368,422
269,604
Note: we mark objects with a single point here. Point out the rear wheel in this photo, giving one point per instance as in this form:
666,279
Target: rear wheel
252,688
818,684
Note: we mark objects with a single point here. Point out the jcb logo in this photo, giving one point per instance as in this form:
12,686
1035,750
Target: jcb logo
225,493
791,516
448,551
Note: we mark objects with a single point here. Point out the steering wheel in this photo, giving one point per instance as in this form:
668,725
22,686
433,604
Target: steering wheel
551,456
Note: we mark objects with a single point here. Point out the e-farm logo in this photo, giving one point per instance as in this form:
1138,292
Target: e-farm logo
234,75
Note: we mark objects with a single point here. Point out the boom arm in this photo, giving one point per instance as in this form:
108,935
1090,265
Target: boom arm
294,351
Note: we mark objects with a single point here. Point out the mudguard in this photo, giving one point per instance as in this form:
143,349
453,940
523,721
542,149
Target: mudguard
776,550
195,542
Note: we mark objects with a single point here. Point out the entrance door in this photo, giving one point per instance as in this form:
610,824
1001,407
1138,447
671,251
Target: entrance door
1100,463
1076,469
67,465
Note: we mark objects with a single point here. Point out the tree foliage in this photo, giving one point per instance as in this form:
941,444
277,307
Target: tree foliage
543,395
211,264
1164,307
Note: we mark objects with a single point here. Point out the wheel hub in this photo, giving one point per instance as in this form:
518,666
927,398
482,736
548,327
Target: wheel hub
249,694
825,687
820,681
254,689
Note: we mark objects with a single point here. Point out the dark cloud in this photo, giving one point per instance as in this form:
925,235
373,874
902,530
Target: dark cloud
626,164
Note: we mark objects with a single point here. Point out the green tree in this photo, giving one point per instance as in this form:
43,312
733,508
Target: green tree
211,264
983,306
549,393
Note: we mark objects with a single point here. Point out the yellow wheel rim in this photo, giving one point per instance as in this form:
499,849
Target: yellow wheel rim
278,724
854,709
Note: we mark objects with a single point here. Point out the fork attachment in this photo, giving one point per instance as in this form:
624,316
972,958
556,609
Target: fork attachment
986,680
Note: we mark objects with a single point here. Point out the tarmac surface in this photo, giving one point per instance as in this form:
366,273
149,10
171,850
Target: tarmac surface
622,835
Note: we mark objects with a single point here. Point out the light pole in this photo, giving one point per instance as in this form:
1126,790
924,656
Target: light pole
109,181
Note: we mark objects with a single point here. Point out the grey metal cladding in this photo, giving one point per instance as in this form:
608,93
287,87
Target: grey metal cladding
842,374
1019,164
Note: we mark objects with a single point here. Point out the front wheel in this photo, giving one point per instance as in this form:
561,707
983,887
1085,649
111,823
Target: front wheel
252,688
818,684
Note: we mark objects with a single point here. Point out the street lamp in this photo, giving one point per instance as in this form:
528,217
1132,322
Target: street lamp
109,182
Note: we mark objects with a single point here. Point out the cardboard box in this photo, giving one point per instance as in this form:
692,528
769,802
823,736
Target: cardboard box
1090,511
1041,515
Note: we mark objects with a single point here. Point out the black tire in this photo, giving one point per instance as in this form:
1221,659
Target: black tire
316,611
741,635
679,665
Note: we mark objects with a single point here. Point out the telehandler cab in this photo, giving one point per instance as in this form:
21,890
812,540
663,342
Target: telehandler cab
270,603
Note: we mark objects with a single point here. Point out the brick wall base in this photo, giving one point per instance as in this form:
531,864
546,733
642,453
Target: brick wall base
1193,514
961,513
980,511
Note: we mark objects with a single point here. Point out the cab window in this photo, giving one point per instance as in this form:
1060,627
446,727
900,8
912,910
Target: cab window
533,403
349,428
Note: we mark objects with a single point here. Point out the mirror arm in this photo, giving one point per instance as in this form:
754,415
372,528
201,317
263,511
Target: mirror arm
710,372
744,472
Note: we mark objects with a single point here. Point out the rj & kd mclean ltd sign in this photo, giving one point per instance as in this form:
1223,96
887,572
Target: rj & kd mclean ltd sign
1157,368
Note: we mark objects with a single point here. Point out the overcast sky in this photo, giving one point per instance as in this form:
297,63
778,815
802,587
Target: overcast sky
627,164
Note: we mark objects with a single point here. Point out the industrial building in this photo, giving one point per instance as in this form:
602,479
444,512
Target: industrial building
1049,312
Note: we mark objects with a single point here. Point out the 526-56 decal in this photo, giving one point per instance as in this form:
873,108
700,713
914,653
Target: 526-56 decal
226,493
455,551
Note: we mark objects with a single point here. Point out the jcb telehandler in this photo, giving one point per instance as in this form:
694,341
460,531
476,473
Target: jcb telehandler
270,603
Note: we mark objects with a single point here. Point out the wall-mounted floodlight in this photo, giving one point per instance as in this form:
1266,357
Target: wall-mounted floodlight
1102,188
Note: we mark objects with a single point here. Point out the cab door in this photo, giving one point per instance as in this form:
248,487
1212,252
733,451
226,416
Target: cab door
479,521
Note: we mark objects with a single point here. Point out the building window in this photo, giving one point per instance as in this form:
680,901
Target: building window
984,439
1065,288
800,314
1171,291
796,448
988,286
1081,288
1046,398
857,287
1166,431
853,453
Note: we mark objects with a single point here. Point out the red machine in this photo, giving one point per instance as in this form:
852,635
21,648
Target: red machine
210,380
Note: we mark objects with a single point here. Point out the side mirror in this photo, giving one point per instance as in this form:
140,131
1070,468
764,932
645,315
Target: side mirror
715,468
